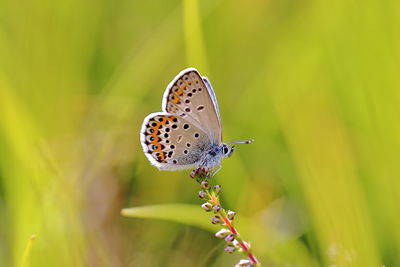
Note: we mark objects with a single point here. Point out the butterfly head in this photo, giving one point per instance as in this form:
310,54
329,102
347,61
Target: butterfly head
227,150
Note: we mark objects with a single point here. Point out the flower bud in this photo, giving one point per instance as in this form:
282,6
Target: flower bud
222,233
236,243
215,220
243,263
202,194
230,238
202,172
207,206
217,188
231,215
230,249
205,184
216,208
193,174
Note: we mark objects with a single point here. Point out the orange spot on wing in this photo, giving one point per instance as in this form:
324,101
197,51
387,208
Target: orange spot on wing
155,141
155,134
164,121
182,85
176,100
158,149
162,156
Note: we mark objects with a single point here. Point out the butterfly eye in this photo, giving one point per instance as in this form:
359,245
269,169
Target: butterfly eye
226,150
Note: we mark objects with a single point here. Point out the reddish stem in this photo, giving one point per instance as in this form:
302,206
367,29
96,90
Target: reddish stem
242,244
201,173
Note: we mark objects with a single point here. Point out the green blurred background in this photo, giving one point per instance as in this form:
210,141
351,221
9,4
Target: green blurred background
316,83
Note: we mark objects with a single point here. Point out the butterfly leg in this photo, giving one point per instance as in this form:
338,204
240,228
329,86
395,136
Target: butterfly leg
217,170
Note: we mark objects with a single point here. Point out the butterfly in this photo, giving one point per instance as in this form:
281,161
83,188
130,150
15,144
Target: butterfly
188,131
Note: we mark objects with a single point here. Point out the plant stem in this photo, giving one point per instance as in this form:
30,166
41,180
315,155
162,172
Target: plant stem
212,196
242,243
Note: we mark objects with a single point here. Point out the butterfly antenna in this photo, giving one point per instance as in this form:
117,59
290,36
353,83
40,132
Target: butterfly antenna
242,141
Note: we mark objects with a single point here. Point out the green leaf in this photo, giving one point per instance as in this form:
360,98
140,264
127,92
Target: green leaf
192,215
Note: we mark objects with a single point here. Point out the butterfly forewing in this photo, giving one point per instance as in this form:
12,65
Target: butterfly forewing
171,142
213,98
188,97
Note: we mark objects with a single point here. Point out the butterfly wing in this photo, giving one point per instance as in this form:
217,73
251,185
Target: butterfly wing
213,97
189,97
171,142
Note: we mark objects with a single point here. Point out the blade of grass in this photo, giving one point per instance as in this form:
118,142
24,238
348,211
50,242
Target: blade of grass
194,41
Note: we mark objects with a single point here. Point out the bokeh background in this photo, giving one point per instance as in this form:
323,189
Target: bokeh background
316,83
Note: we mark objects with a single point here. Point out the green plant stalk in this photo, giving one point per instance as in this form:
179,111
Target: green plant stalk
27,251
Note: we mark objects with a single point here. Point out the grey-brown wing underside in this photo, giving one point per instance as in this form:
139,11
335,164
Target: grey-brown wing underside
189,97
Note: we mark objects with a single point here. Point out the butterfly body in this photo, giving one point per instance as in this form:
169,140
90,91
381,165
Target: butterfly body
212,155
188,132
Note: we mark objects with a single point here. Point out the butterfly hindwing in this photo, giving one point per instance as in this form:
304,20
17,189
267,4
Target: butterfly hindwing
171,142
188,97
